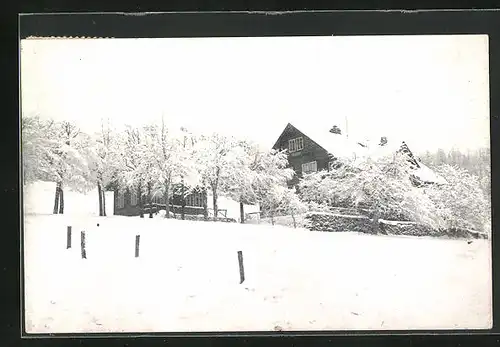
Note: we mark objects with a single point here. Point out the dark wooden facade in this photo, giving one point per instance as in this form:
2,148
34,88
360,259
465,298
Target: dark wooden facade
126,202
300,157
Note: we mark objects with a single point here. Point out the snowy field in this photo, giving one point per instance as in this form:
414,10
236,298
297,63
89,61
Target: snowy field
186,277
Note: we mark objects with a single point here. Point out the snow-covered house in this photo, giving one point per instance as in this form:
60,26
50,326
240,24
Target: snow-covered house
311,148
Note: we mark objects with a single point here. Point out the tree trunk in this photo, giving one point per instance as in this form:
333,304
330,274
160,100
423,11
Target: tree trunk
150,201
56,199
214,201
99,191
242,213
166,194
61,199
103,202
294,222
205,204
139,197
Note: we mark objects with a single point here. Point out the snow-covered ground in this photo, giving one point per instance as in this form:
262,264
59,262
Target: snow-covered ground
39,199
186,277
232,207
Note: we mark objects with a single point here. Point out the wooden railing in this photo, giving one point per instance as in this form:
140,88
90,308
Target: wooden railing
156,207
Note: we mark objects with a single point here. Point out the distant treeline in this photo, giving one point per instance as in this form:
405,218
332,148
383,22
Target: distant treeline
477,162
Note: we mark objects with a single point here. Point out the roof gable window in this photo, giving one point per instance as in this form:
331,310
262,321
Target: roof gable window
295,145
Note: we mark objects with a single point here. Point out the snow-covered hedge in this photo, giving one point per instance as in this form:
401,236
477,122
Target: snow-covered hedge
415,229
465,233
317,221
406,228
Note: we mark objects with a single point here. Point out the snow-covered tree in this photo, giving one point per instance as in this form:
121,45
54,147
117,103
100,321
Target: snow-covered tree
280,200
57,152
253,173
187,169
320,188
382,186
271,169
133,175
36,148
148,169
239,183
461,202
270,180
270,202
106,161
169,160
216,157
68,163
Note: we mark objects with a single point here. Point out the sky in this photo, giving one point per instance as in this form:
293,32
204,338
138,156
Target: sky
431,91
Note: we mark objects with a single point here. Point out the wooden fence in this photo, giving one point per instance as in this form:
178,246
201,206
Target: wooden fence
188,210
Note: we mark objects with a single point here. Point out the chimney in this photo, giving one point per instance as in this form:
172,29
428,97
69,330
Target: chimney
335,130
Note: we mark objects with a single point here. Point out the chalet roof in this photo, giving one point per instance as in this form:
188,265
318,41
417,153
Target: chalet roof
357,151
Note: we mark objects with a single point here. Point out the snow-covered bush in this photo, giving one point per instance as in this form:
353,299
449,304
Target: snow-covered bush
382,186
407,229
317,221
314,206
461,203
294,206
320,189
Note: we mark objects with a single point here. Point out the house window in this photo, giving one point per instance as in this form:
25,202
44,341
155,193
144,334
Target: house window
295,145
309,167
133,199
121,200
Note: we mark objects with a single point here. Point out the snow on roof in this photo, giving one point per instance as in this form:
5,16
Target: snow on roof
340,146
425,174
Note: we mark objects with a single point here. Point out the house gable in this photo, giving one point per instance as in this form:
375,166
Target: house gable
306,155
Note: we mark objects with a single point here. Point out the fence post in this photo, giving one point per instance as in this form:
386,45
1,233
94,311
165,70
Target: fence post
242,270
68,237
137,240
84,253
